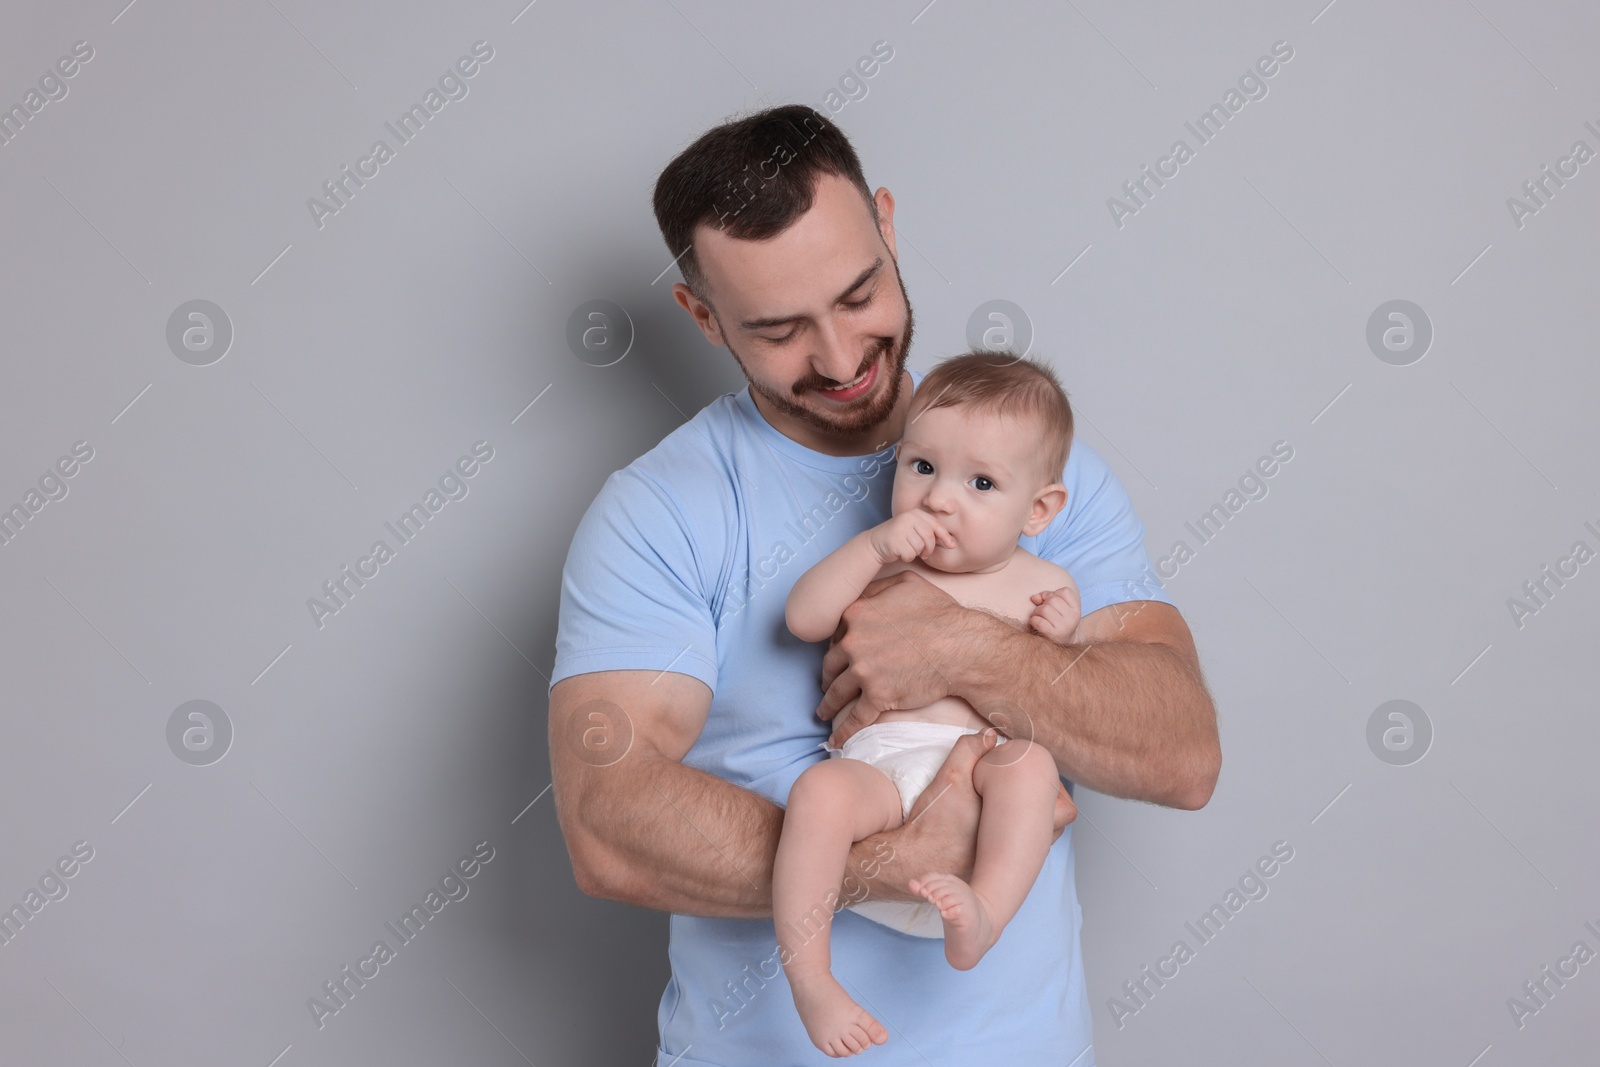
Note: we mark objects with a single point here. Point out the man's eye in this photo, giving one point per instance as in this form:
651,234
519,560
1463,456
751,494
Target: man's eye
863,302
785,339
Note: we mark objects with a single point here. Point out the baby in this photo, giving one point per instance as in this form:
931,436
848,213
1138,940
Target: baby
979,466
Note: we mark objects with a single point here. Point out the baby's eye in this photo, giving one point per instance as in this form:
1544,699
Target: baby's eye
982,484
918,464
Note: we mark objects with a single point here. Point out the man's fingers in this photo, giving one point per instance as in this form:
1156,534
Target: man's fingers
844,689
834,662
954,775
962,758
968,749
1065,812
840,735
878,585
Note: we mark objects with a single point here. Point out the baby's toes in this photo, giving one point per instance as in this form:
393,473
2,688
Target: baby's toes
935,888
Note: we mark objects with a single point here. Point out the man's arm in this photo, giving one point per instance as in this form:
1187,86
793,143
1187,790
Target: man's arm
644,829
1125,712
641,827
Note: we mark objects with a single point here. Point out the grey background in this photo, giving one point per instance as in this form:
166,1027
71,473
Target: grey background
368,355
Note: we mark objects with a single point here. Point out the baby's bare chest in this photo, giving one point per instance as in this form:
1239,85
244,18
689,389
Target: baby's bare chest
1007,592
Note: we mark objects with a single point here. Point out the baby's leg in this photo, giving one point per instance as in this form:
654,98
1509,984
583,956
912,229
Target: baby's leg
832,805
1018,783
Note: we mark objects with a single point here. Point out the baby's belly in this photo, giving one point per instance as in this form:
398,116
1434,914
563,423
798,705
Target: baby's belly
952,710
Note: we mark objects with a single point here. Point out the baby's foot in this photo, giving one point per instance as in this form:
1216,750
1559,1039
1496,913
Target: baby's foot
969,932
835,1023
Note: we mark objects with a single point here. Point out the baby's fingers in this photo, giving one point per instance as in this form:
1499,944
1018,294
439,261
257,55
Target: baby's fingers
1047,628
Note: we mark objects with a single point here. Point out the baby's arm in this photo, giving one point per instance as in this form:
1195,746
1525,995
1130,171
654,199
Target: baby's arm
1058,612
819,597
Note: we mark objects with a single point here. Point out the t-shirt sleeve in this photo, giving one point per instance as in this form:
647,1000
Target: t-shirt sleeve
1098,538
633,594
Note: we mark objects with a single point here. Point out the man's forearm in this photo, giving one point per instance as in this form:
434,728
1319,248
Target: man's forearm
681,840
1127,718
675,838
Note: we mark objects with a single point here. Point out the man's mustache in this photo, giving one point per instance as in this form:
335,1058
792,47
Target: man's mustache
885,345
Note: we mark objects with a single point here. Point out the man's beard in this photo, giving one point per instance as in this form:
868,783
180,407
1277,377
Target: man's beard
854,421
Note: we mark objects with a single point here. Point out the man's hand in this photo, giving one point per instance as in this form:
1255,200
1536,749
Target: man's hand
846,724
941,833
887,649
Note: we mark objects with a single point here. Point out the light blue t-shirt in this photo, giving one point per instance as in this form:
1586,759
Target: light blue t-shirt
683,562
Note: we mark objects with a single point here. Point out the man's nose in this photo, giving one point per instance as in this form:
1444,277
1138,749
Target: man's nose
836,359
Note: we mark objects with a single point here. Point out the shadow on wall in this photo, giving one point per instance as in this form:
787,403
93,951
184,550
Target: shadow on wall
597,964
620,326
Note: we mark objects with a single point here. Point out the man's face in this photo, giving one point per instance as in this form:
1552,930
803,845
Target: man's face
977,473
814,308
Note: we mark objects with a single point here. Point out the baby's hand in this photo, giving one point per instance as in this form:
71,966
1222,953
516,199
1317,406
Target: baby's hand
1058,613
909,535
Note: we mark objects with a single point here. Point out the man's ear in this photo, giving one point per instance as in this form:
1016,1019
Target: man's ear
884,199
1047,504
700,311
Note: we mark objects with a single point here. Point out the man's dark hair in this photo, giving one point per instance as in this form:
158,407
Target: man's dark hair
751,178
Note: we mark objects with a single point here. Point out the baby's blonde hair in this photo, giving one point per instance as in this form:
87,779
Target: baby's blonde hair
1001,383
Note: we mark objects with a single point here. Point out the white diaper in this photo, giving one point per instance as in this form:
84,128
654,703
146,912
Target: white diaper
910,753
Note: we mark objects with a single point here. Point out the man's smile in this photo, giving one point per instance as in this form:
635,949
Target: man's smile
851,390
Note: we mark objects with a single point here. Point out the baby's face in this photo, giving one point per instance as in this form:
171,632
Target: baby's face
974,472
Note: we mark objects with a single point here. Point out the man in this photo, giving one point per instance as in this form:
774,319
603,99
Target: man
682,710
